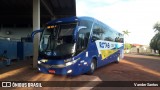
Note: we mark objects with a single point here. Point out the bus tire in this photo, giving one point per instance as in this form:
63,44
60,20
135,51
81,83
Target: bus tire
92,67
118,59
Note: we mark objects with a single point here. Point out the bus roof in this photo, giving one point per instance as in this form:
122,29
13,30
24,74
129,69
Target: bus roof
76,19
69,19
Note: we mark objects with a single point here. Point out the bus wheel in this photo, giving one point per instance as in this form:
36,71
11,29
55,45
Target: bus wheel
118,59
92,67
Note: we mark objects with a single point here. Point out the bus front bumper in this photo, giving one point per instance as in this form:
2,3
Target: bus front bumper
55,69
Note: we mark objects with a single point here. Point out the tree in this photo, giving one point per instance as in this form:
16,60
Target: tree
126,32
155,41
157,26
127,46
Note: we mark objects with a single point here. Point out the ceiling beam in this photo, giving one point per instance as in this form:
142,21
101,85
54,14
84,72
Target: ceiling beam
49,9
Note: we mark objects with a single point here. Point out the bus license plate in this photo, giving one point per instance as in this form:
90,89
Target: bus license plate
51,71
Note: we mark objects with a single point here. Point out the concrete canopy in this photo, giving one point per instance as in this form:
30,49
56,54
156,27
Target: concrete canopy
34,13
19,12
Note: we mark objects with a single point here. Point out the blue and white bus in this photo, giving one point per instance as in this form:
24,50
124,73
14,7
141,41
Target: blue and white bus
78,45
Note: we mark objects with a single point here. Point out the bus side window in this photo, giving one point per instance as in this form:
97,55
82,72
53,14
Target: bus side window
97,32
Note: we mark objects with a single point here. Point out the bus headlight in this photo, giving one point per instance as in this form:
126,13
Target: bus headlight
39,62
44,60
68,63
71,62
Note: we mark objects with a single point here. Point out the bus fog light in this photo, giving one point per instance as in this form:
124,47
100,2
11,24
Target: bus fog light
39,69
69,71
85,63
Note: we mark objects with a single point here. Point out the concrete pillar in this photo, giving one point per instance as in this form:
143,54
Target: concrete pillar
36,26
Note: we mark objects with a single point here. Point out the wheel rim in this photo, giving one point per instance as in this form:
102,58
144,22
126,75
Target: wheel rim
92,66
118,58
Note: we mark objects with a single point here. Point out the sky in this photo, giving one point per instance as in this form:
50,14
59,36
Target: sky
136,16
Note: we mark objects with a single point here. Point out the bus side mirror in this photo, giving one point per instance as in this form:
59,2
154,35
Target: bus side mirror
35,32
79,28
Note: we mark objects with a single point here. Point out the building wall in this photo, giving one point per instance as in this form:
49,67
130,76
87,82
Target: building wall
141,50
14,33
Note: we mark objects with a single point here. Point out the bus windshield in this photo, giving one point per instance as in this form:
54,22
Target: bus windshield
57,40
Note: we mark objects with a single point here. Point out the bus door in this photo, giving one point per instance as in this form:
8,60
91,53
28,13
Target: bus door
82,52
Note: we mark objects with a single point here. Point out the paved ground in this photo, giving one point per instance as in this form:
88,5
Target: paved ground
131,68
